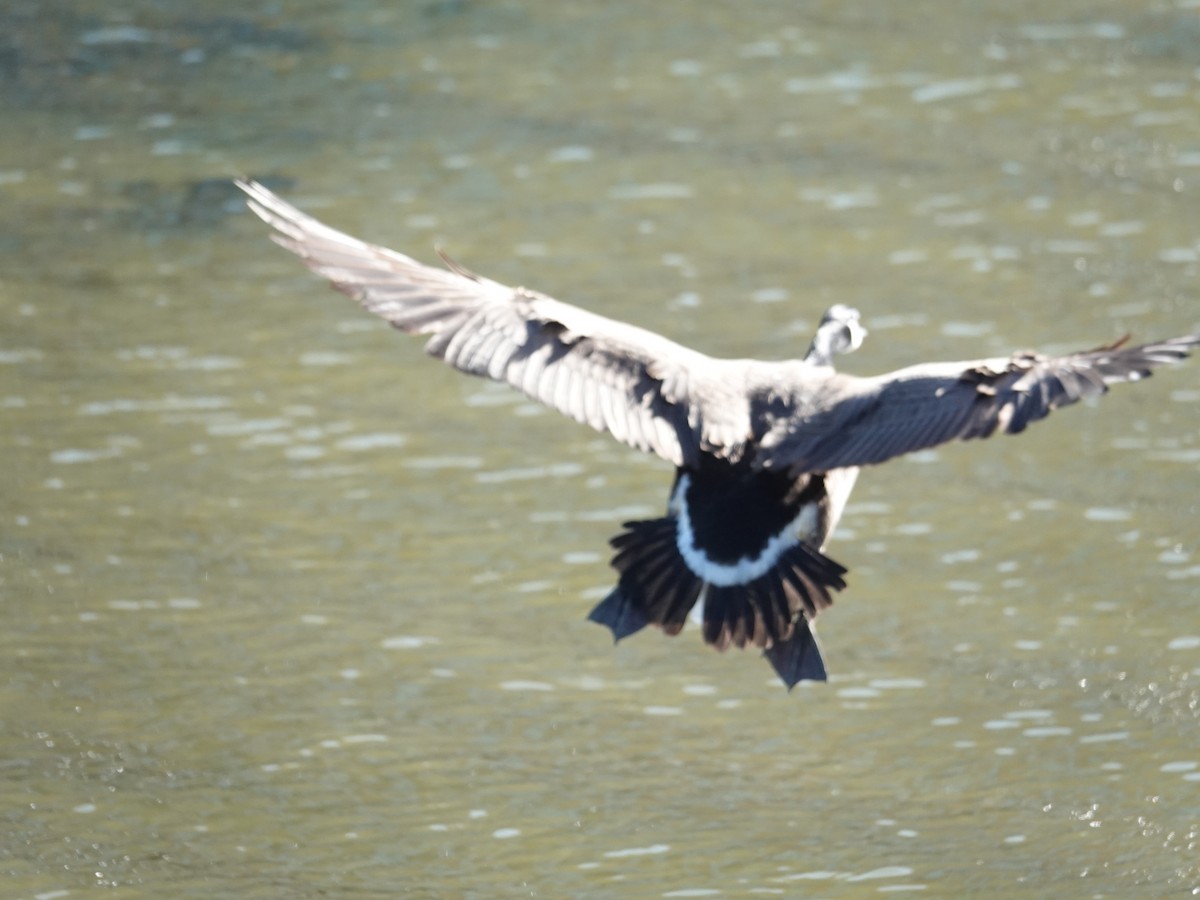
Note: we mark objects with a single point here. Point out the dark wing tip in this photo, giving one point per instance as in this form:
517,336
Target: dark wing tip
1115,345
454,265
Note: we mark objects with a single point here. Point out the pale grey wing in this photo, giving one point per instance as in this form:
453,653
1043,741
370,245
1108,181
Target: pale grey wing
862,421
632,383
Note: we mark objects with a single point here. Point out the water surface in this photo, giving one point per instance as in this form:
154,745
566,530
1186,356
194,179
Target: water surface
292,611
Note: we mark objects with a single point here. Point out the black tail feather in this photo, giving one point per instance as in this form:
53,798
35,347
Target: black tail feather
773,611
777,613
656,586
750,613
678,602
642,539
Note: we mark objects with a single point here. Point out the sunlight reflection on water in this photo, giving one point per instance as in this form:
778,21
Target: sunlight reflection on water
287,611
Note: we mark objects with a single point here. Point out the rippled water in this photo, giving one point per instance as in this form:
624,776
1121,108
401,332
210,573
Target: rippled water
291,611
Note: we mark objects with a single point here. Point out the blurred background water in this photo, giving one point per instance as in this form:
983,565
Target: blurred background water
291,611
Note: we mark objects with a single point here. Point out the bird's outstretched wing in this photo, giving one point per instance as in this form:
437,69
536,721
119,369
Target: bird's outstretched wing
850,421
638,386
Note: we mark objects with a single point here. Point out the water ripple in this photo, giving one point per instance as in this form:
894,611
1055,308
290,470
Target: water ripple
652,850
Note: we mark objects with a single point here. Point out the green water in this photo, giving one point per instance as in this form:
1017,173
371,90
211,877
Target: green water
291,611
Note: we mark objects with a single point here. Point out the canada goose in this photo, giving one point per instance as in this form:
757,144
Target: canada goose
766,453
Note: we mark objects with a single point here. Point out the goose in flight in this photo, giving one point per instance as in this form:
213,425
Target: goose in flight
765,453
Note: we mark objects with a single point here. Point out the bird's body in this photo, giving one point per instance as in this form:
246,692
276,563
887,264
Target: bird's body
766,453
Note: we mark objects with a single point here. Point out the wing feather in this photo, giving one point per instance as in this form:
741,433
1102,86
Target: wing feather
656,395
847,421
606,374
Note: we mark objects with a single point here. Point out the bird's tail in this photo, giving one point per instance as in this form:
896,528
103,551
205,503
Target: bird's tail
772,611
656,586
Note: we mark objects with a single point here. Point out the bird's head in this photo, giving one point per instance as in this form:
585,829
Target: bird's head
839,332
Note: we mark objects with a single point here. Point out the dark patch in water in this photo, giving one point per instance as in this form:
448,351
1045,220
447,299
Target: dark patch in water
202,203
